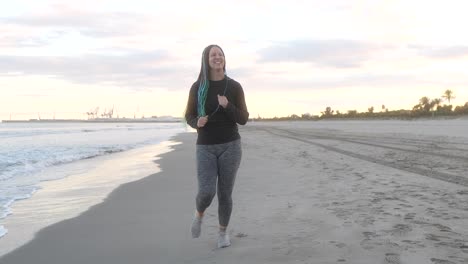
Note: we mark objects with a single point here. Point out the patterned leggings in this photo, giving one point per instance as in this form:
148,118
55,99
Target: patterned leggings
217,168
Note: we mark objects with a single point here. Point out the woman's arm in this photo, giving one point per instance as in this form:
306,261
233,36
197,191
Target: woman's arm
237,111
191,115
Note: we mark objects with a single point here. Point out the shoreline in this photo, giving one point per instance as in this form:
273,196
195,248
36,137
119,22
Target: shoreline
122,222
266,120
65,198
91,121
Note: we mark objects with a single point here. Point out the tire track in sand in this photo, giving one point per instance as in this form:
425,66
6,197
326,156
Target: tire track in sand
456,179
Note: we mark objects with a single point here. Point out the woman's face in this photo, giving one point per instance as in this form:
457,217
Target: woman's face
216,59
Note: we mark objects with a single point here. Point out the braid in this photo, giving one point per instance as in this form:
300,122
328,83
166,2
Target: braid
203,88
204,84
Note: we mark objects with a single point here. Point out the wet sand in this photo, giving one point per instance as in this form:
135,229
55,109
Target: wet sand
307,192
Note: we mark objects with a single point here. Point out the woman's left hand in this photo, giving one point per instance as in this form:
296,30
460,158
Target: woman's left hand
223,101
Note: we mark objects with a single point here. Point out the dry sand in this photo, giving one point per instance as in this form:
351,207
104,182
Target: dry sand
307,192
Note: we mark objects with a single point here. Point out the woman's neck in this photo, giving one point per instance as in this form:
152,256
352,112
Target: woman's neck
216,75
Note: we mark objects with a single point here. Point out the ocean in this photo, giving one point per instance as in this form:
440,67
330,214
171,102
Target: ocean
32,154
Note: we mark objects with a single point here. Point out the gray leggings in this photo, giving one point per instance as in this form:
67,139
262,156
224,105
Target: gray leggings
217,163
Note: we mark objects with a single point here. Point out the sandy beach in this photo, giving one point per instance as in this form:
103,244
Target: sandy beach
363,192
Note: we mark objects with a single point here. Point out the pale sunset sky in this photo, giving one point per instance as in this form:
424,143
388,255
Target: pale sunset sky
68,57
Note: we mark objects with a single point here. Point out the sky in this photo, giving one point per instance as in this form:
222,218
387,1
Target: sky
62,59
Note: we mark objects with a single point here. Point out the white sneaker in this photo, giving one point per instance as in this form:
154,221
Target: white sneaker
196,226
223,240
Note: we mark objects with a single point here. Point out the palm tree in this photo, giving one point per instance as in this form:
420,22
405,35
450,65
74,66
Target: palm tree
448,94
436,102
328,111
425,102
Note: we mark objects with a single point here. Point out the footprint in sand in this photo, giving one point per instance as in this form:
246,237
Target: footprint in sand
368,241
409,216
392,258
442,228
359,175
406,205
441,261
437,238
338,244
240,235
414,243
400,229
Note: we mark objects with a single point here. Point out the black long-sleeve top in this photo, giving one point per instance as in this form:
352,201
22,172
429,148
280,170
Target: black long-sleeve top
222,122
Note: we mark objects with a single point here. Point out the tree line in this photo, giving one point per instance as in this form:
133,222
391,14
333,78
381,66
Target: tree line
426,107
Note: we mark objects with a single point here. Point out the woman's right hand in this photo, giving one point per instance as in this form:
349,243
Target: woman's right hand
202,121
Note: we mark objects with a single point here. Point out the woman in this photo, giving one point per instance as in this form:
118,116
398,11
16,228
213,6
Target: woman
216,104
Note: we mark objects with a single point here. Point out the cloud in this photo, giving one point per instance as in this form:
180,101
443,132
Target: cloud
329,53
87,23
137,70
450,52
378,81
23,39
